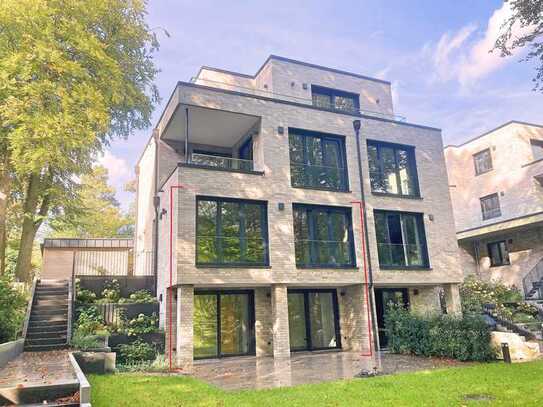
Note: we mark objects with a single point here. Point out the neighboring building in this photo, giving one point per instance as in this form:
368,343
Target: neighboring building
267,244
497,194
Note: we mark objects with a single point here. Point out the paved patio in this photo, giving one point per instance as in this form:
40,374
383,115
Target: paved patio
259,373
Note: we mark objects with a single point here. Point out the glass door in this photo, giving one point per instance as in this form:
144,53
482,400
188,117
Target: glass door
313,320
385,297
223,324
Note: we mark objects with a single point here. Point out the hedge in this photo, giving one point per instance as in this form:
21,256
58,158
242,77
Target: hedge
464,337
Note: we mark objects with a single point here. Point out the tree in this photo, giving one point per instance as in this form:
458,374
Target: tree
524,28
94,213
74,75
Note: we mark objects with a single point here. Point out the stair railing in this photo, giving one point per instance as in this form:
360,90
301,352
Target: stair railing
534,275
29,306
71,301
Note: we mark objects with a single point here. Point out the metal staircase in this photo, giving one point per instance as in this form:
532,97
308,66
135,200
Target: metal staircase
48,324
532,283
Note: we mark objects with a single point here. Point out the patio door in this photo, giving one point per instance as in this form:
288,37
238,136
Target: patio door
384,297
223,324
313,320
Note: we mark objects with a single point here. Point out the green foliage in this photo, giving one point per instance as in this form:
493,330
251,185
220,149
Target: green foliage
476,293
86,342
85,296
12,310
159,364
139,297
136,351
463,338
142,324
112,291
90,321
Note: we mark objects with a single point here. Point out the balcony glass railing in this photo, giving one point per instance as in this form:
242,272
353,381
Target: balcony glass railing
400,255
227,163
323,253
492,213
318,176
231,250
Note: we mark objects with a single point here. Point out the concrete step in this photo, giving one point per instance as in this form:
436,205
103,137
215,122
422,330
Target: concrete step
50,310
44,348
50,301
35,395
59,340
47,326
47,334
48,295
62,317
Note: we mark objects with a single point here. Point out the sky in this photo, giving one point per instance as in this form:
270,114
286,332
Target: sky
435,54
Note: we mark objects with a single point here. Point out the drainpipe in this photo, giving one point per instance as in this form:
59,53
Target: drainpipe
156,204
356,127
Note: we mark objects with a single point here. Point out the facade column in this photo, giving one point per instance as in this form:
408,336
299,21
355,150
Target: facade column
185,341
281,342
263,322
452,299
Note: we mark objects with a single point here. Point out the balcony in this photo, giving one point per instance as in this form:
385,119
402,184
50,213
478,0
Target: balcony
225,163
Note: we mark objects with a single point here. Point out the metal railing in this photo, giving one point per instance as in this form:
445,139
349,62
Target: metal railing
29,307
319,176
393,254
291,98
492,213
531,279
215,161
230,250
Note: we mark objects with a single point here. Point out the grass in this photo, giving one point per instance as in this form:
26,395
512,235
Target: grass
482,384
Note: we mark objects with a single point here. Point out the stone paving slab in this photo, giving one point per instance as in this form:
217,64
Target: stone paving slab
240,373
34,369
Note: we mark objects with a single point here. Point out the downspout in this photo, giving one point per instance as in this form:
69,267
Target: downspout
156,204
356,127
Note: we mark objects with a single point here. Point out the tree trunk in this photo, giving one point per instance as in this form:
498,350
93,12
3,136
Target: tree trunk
32,221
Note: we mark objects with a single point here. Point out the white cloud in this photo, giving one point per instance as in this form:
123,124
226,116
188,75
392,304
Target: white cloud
465,56
118,169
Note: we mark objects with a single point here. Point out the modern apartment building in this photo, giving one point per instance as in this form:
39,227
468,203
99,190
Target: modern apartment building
497,194
282,229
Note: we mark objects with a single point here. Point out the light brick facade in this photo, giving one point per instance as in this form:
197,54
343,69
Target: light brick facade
515,177
269,112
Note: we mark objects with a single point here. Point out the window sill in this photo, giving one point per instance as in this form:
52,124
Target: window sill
232,266
499,265
345,191
206,167
324,267
485,172
531,162
385,194
405,268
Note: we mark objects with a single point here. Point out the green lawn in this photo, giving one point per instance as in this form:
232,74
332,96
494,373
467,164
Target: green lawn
507,385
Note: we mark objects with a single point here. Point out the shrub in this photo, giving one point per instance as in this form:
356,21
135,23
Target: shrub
463,338
112,291
12,310
85,296
159,364
136,351
90,321
86,342
142,324
139,297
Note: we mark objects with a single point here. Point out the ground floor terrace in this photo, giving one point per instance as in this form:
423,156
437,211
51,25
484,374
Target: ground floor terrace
280,320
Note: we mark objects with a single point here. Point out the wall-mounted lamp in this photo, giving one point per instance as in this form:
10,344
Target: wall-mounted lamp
416,291
160,298
280,130
281,206
431,217
292,84
502,193
304,86
342,293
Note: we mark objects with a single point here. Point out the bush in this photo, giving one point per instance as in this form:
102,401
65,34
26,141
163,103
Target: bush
85,296
142,324
85,342
135,352
159,364
90,321
12,310
111,292
139,297
463,338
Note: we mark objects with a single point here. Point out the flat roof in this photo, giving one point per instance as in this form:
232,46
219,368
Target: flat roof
100,243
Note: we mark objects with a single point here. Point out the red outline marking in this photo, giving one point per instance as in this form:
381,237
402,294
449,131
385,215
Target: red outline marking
366,297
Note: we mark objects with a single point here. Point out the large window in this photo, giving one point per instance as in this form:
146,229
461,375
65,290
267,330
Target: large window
490,206
401,241
482,161
498,253
537,149
323,236
231,232
392,169
317,160
335,99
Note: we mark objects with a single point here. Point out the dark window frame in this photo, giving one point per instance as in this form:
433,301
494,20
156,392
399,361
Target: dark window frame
412,162
252,320
335,304
264,227
421,230
479,153
502,261
498,210
324,137
312,234
333,93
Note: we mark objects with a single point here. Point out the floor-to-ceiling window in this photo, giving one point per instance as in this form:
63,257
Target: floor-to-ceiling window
223,323
313,319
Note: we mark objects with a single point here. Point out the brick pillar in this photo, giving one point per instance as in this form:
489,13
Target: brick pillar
263,322
169,292
452,299
185,312
353,318
279,302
